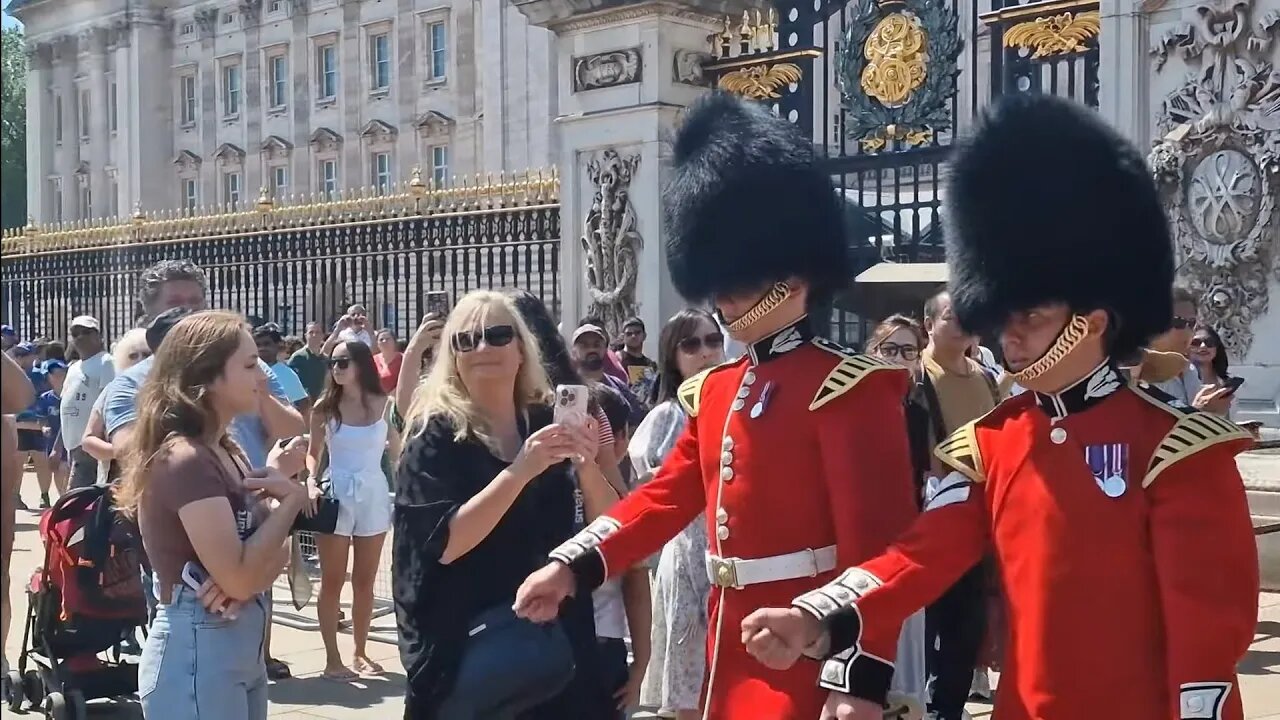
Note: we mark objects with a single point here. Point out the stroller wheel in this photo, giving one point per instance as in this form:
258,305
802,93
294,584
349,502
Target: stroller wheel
13,690
33,687
55,707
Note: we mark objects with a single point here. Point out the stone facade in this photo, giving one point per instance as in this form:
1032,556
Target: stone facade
200,103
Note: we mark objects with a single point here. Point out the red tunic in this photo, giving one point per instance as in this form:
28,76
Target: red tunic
1125,549
823,462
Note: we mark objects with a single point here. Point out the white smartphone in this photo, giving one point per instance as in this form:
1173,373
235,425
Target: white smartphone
571,405
194,575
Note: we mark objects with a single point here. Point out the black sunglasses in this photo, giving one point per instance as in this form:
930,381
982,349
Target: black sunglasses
340,363
81,331
1181,323
892,350
693,343
493,336
1204,342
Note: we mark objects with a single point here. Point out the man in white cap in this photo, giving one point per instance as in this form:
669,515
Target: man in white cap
85,381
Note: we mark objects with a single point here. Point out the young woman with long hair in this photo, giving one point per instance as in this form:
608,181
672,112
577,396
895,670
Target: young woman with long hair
348,420
199,505
689,343
483,494
388,360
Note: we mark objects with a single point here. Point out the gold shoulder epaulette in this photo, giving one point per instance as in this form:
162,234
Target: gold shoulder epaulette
851,369
960,452
690,392
1194,431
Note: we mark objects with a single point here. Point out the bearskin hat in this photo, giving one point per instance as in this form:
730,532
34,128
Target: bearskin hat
1046,203
746,205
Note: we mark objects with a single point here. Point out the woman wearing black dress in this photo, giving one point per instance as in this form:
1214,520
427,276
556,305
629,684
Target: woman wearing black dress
483,492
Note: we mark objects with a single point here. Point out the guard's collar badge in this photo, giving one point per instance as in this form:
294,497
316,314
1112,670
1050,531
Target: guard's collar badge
1083,394
781,342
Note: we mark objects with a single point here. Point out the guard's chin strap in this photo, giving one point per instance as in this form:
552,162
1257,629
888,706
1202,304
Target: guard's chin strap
777,295
1068,340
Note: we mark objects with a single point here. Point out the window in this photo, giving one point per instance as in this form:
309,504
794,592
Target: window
327,60
86,201
381,166
113,196
188,29
279,76
439,51
275,6
188,99
279,181
231,90
229,18
189,196
380,52
231,190
439,165
55,190
85,110
329,177
57,128
113,108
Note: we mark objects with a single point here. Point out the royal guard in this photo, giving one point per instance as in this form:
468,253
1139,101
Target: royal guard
1116,514
795,453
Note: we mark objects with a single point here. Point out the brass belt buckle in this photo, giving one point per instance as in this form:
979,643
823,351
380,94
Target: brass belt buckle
724,572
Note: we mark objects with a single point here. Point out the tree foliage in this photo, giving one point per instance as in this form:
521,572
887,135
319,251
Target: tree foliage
13,129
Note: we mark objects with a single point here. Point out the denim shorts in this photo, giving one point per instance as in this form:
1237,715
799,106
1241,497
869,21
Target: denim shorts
200,666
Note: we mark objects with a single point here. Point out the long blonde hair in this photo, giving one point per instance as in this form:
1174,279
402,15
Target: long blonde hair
173,400
442,392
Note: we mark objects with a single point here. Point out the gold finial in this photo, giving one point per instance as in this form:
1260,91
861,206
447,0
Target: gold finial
265,202
138,216
745,34
31,229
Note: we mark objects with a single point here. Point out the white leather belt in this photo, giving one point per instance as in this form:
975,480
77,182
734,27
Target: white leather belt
739,573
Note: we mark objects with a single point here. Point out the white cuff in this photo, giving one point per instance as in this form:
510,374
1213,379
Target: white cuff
1203,701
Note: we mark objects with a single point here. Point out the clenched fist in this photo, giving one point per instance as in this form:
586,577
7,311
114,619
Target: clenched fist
777,637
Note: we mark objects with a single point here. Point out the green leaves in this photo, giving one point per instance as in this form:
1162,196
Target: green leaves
13,129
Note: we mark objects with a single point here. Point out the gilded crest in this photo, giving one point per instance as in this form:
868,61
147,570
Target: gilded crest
761,82
897,70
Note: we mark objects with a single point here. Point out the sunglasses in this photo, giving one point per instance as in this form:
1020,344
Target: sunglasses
894,350
1181,323
493,336
340,363
82,331
694,344
1203,343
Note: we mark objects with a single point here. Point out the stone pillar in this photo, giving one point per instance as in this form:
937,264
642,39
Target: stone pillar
67,158
126,90
39,132
1124,96
620,97
99,125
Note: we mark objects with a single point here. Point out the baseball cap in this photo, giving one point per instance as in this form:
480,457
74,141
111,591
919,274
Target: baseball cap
49,366
24,348
7,330
588,330
160,326
88,322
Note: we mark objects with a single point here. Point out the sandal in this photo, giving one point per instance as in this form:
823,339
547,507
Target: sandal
277,669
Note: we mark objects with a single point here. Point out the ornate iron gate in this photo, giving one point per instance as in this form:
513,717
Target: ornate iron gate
878,85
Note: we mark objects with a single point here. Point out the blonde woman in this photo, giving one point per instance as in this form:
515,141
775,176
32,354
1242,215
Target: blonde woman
483,493
128,351
198,506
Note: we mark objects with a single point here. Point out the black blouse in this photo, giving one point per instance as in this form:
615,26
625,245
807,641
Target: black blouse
434,602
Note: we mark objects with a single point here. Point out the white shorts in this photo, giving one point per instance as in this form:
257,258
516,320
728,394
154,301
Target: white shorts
369,514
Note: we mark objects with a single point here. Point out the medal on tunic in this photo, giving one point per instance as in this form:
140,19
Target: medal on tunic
758,409
1108,465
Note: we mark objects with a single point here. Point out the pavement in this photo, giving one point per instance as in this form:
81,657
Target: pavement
308,696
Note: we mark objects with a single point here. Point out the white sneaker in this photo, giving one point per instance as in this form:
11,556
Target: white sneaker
981,687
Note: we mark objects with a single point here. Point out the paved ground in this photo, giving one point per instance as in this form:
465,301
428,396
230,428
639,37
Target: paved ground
309,697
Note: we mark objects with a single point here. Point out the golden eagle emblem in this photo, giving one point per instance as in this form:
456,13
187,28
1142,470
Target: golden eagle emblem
1057,35
762,81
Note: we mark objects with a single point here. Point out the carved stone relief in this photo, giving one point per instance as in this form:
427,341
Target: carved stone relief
1218,162
207,21
611,241
609,69
686,67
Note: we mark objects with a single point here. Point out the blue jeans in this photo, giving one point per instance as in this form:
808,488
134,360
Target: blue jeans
200,666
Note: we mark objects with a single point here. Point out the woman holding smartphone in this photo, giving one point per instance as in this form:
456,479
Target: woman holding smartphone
197,502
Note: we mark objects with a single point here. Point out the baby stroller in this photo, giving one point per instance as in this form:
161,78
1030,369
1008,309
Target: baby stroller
86,599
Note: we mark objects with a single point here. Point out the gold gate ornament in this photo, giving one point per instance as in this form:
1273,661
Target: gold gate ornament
1055,35
896,61
761,82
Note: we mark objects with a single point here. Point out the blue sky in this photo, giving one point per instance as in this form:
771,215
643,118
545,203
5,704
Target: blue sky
8,21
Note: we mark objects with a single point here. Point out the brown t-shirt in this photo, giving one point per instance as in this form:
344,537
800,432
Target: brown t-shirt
179,476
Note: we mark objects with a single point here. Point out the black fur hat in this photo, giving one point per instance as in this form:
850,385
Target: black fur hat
1046,203
746,205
